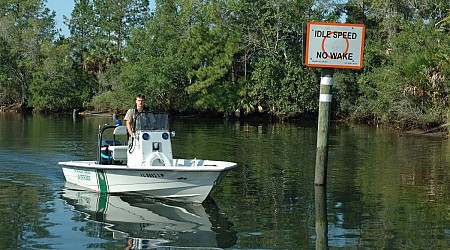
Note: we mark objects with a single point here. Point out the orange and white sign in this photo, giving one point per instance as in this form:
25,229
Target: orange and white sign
334,45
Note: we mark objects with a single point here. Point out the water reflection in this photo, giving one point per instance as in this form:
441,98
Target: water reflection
148,223
385,190
321,217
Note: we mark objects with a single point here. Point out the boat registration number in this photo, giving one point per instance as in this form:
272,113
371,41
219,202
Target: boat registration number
84,177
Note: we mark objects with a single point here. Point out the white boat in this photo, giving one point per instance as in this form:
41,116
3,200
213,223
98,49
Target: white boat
145,164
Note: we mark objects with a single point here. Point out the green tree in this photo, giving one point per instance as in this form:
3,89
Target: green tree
158,62
26,25
213,46
444,23
404,83
57,83
82,30
100,29
271,32
114,21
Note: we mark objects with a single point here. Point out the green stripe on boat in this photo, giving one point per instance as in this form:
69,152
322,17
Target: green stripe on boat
102,202
101,178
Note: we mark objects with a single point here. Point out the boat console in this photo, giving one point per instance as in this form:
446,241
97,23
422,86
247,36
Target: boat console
149,145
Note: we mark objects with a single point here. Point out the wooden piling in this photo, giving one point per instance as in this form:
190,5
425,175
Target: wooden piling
326,83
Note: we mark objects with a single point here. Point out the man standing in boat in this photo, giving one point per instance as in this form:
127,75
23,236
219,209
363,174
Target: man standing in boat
139,117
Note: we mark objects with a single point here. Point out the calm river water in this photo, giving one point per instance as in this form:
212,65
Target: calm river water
386,190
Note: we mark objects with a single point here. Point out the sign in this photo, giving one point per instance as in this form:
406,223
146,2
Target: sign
334,45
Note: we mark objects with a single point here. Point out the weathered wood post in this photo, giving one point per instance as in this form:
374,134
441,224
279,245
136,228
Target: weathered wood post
326,83
328,46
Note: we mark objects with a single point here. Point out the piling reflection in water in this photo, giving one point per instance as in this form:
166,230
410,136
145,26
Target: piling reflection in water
321,217
148,223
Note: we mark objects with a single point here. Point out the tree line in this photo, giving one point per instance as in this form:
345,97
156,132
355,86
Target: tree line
226,57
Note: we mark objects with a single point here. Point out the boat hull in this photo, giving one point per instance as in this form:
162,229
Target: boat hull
187,180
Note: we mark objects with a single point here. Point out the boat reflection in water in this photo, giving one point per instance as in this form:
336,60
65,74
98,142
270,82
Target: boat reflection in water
149,223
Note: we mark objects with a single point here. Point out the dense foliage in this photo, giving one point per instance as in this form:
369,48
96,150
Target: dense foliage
234,57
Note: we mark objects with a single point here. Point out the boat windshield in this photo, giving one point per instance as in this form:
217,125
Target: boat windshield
152,121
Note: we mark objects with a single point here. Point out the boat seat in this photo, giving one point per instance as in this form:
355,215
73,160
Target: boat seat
118,152
120,130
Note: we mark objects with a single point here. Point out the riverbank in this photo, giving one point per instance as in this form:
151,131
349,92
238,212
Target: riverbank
440,131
